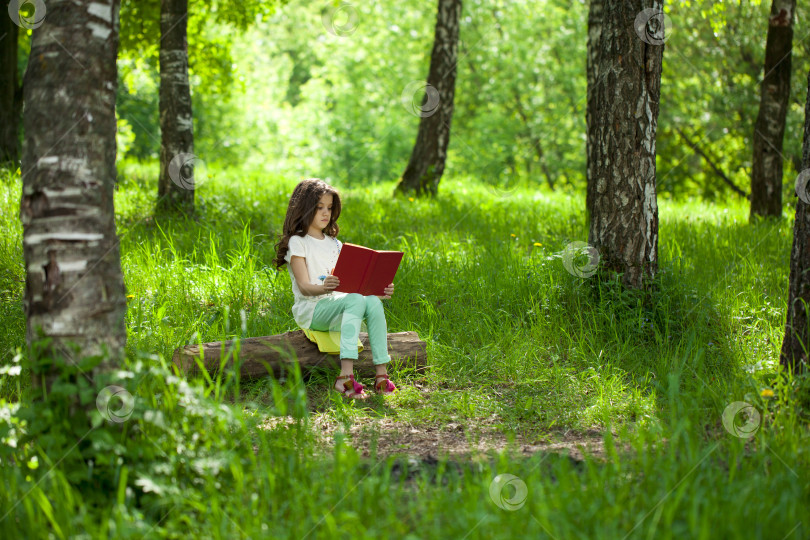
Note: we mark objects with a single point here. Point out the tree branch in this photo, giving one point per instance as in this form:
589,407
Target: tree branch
712,164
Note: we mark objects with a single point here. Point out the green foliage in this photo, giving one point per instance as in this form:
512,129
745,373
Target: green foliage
710,89
173,446
12,279
210,26
518,347
137,106
312,100
521,97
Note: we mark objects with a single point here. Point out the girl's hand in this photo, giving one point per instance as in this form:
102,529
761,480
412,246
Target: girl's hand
388,292
331,282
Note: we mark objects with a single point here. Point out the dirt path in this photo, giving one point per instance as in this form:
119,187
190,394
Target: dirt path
452,441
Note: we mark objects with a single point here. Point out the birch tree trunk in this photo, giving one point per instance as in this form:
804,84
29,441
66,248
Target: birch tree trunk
74,289
796,344
592,70
9,91
769,130
176,182
624,222
426,166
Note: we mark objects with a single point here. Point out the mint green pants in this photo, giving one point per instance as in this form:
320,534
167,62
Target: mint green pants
345,315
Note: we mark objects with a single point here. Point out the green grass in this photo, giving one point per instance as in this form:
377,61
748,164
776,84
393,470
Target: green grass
519,349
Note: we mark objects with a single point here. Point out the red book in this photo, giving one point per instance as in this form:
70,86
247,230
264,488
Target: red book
366,271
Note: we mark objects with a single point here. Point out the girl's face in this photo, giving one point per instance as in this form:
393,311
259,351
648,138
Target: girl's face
323,213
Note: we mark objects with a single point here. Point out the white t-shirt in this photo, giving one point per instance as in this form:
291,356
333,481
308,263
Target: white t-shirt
321,257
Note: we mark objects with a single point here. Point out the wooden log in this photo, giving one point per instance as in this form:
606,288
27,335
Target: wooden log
259,356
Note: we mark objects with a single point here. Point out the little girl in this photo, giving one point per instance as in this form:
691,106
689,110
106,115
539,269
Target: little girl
309,246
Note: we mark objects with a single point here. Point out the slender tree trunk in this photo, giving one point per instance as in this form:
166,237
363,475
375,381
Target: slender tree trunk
9,91
426,166
766,171
624,222
796,344
176,182
74,289
592,69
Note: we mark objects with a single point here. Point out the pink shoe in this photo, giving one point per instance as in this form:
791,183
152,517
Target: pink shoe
351,388
385,386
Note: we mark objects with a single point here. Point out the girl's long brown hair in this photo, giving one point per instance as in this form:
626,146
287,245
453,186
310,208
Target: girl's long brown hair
301,210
